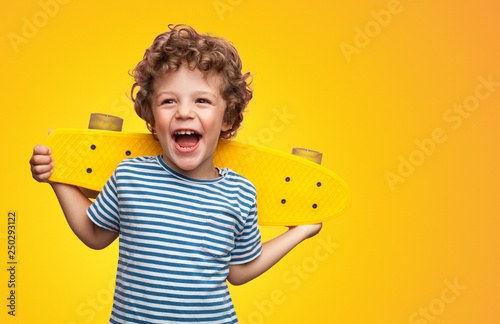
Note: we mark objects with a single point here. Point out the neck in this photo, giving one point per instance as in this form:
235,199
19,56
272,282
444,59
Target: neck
207,173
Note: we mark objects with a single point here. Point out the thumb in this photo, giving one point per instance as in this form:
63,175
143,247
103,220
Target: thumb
50,131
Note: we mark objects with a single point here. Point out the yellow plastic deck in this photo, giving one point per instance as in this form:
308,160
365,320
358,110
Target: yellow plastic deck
290,190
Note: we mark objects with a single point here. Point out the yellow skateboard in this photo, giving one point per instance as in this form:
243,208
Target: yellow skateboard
290,190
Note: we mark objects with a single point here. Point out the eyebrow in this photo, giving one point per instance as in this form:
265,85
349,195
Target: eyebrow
200,93
196,93
164,92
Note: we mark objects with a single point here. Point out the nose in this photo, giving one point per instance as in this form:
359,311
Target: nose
184,111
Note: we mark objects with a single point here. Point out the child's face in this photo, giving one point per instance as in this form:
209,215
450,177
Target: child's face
189,110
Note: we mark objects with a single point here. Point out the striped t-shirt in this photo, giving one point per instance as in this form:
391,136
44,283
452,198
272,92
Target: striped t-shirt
177,236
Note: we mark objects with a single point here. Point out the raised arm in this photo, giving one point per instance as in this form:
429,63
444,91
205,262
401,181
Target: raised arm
272,252
73,202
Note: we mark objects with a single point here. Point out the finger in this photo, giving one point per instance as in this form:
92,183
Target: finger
50,131
41,160
44,177
41,149
41,169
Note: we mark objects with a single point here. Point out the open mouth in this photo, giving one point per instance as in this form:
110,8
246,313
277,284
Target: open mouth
186,140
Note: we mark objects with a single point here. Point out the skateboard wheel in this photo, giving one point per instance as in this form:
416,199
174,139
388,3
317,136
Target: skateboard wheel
105,122
310,155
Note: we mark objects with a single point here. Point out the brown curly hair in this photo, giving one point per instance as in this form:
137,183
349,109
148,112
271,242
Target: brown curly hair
209,54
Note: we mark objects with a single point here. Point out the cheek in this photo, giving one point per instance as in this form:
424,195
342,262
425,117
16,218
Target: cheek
161,123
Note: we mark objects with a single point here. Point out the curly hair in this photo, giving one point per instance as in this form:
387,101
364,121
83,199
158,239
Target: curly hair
209,54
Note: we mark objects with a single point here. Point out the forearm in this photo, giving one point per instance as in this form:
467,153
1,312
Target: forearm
74,205
272,251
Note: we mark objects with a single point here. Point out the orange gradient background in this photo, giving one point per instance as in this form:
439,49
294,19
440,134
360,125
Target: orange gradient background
401,97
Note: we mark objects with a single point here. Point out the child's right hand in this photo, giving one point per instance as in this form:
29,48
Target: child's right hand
41,163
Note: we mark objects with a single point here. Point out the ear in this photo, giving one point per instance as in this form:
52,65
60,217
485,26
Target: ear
226,126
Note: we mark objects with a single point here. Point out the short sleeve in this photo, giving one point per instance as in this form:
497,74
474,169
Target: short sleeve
104,210
248,244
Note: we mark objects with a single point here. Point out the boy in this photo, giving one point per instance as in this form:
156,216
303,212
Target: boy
185,226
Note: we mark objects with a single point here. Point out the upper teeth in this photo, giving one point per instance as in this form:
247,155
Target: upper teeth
185,132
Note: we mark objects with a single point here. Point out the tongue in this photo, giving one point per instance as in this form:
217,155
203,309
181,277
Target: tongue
187,140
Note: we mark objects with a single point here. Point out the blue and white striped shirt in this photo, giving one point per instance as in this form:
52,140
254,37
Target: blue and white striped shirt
177,236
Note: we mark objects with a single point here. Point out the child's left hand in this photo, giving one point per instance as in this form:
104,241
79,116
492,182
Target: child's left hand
308,230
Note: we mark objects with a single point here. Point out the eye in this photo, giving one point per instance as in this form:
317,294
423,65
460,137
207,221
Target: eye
203,101
167,101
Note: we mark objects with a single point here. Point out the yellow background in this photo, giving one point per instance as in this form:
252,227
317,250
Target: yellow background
367,89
